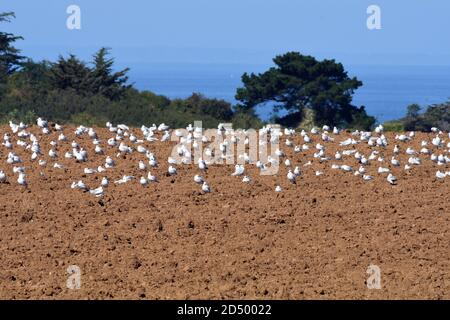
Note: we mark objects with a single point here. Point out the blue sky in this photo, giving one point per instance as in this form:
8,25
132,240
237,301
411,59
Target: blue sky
414,32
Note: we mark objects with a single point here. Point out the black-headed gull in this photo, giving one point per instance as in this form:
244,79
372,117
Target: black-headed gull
238,170
291,177
98,192
58,166
98,150
18,169
436,141
78,185
22,179
109,162
143,181
171,160
52,154
205,187
198,179
440,175
202,164
141,149
383,170
104,182
345,167
151,177
142,165
410,151
391,178
395,162
124,179
171,170
41,122
2,176
414,161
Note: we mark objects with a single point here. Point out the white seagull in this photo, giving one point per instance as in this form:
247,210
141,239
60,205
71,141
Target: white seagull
2,177
205,187
238,170
291,177
198,179
391,178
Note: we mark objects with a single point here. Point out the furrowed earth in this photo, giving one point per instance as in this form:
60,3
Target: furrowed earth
168,240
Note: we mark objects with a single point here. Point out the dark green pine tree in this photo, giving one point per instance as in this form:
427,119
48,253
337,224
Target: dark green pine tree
10,58
297,82
103,80
71,73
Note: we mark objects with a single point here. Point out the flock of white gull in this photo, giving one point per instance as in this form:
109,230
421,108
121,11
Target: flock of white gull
124,141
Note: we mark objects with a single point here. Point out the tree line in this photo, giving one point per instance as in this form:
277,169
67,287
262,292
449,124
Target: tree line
69,90
417,119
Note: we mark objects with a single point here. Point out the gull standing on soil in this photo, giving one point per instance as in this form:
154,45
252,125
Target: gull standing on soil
109,162
202,164
89,171
205,187
78,185
440,175
58,166
2,176
142,165
238,170
21,180
104,182
198,179
346,168
171,170
391,178
291,177
395,162
98,150
151,177
383,170
97,192
124,179
143,181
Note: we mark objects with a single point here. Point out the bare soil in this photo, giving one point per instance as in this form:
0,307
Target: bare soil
313,240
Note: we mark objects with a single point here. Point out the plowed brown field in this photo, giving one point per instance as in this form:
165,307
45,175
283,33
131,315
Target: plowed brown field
313,240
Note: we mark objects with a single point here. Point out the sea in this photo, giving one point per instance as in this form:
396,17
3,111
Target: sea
386,90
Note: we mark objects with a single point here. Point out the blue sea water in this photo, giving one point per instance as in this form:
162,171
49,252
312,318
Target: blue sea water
386,90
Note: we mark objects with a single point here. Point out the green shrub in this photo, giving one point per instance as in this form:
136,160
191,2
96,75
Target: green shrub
395,126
